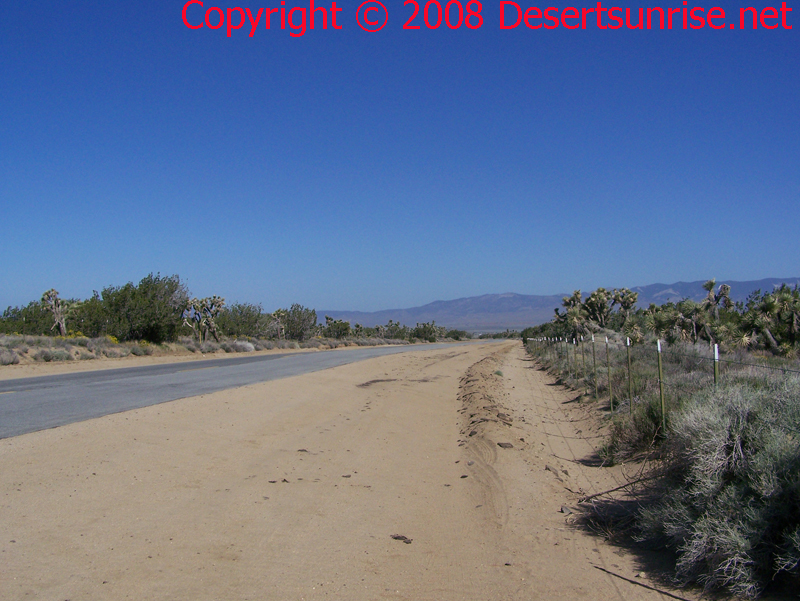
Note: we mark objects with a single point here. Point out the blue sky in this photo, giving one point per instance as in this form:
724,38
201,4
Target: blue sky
364,171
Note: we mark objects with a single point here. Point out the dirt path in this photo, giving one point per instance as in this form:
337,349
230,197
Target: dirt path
530,489
294,489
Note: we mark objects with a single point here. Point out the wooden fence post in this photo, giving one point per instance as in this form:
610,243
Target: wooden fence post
661,392
630,380
610,391
583,372
594,367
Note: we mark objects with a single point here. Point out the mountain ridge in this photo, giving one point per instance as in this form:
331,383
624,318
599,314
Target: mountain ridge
493,312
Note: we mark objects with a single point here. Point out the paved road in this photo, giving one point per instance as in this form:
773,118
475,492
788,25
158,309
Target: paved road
31,404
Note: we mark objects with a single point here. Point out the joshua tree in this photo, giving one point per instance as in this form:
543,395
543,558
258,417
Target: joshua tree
713,301
626,299
210,309
597,306
192,317
762,318
789,310
200,316
278,325
58,308
574,318
576,300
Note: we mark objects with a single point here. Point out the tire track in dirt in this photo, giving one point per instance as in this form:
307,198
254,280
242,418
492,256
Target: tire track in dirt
535,446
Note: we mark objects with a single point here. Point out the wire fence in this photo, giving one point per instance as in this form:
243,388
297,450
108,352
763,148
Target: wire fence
628,374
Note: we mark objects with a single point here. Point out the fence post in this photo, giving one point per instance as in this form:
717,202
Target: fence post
594,367
575,358
661,392
583,372
583,358
716,365
630,380
610,391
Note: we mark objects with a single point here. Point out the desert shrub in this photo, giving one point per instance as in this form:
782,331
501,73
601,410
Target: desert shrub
209,347
140,350
261,345
85,356
730,506
43,355
10,342
458,334
8,357
62,343
116,352
237,346
13,345
57,355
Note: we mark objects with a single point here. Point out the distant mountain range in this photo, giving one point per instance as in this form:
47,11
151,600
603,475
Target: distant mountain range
493,312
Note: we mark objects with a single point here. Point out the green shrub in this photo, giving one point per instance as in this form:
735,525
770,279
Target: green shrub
299,322
151,310
424,331
242,319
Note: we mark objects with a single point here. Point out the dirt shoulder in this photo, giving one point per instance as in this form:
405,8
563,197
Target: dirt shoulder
359,482
173,354
30,369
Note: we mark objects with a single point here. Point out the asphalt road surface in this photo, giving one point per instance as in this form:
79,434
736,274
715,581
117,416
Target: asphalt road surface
31,404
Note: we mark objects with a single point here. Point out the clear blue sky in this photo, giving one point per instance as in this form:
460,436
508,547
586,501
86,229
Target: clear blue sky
349,170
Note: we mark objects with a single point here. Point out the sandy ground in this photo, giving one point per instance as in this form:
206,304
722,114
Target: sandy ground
376,480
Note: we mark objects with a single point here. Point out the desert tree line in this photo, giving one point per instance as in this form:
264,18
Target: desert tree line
767,321
160,309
